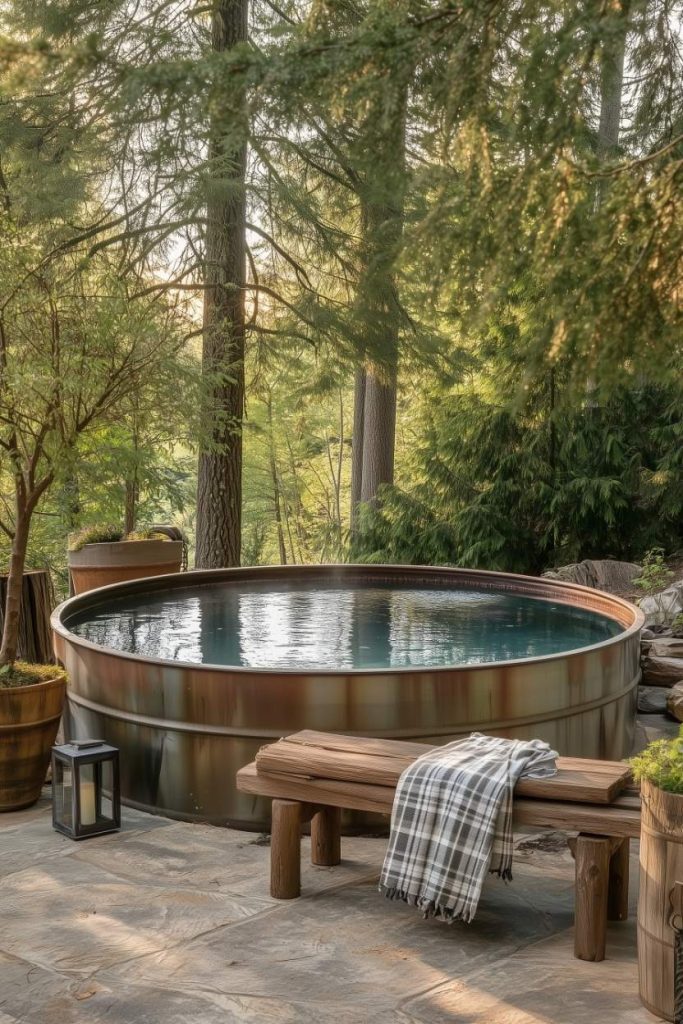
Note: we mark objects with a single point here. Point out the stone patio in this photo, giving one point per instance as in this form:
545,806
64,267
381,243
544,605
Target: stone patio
171,923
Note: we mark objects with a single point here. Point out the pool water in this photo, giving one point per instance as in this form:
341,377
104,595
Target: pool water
337,625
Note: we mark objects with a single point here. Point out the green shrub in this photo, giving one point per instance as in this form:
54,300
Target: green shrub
661,763
655,575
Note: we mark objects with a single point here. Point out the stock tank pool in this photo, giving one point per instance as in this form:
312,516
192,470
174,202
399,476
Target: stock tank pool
188,674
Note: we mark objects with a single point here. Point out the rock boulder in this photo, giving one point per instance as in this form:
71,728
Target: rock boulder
661,609
674,701
661,671
652,700
602,574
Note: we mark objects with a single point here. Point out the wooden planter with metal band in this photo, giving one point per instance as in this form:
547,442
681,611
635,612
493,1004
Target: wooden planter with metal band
29,719
311,776
661,866
99,565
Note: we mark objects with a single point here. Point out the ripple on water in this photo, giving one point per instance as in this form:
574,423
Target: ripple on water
337,626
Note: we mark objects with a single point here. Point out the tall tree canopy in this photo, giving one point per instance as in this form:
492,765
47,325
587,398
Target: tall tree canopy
432,251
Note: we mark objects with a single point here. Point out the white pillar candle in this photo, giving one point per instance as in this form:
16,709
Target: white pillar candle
88,815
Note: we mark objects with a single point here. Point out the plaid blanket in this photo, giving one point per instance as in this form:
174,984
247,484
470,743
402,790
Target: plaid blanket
452,822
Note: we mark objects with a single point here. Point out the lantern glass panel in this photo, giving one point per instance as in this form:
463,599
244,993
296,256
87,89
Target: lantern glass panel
106,789
87,788
62,785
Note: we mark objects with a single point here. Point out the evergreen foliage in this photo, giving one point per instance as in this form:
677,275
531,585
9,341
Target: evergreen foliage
519,258
522,490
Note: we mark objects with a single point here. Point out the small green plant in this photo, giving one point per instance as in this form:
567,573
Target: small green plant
109,534
94,535
145,535
21,673
678,621
661,763
656,575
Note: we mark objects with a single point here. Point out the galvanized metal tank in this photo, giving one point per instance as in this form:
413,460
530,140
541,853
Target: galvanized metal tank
185,729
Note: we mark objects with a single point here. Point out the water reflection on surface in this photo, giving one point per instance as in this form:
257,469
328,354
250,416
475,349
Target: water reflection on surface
305,626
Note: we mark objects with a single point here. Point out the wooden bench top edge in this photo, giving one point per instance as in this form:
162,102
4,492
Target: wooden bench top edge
310,755
620,818
388,747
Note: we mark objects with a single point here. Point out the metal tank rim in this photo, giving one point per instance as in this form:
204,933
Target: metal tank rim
625,613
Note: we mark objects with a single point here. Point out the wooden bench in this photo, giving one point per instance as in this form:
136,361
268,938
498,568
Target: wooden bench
311,776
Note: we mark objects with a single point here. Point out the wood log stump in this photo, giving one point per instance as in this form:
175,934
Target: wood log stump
285,850
592,855
617,896
37,602
326,836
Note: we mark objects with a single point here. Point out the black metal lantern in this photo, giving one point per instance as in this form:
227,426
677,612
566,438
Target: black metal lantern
85,789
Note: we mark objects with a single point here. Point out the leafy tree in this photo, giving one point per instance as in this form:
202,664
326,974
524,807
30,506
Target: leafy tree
73,346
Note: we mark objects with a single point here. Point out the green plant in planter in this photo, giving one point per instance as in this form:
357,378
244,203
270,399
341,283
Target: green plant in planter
146,535
661,763
21,673
94,535
108,534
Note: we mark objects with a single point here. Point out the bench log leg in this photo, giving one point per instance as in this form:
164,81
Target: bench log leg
592,855
326,836
617,899
285,850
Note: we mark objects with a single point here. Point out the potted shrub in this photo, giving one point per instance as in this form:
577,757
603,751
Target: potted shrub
100,555
659,769
31,702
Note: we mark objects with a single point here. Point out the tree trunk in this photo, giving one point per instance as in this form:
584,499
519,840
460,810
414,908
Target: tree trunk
72,501
15,578
132,486
131,505
340,469
611,85
276,484
34,639
382,228
379,429
607,143
219,485
357,444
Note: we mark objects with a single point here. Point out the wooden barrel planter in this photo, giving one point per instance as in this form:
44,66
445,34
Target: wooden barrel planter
29,719
98,565
661,866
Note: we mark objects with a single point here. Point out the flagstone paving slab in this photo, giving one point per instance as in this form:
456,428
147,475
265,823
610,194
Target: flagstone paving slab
171,923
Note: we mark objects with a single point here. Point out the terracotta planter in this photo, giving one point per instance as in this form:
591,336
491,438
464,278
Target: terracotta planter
98,565
29,719
661,865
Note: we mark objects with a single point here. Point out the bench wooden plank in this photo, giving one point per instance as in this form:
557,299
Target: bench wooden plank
393,748
367,744
352,795
621,818
361,759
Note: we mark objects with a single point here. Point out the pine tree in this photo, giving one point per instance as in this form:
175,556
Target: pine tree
219,483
